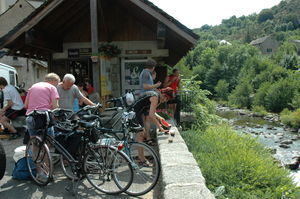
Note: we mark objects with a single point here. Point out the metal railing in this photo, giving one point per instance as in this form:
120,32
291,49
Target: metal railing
184,104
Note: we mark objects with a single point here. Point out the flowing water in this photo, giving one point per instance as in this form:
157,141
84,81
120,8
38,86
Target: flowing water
283,141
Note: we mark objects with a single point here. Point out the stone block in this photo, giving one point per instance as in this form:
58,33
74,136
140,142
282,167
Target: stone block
188,191
182,174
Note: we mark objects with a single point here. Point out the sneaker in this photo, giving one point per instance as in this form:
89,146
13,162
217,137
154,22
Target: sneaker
41,177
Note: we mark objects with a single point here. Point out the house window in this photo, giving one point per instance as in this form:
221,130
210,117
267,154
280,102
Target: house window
15,58
269,50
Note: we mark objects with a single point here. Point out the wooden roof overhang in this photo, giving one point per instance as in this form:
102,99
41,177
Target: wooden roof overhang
60,21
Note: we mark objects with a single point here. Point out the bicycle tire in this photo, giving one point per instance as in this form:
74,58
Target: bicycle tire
2,161
145,177
43,159
98,157
66,168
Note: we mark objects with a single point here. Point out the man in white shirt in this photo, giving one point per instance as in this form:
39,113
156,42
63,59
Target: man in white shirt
12,109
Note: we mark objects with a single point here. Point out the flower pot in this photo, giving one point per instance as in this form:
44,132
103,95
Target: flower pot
94,58
105,57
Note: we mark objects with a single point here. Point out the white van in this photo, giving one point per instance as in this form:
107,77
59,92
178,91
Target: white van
9,73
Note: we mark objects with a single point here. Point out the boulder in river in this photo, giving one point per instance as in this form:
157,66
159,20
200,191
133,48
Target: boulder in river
294,164
286,142
284,146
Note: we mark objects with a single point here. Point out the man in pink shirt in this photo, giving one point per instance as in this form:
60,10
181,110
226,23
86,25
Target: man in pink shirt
41,96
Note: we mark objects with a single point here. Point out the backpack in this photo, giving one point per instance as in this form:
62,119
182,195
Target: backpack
21,171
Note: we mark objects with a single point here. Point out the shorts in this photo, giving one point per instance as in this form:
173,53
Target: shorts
12,114
174,101
33,132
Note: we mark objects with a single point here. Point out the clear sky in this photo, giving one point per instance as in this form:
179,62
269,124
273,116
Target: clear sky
195,13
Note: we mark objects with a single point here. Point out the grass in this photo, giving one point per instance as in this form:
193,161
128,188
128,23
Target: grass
240,164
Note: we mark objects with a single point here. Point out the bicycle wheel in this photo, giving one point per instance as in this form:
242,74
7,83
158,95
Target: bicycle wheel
39,161
2,161
67,168
108,169
146,172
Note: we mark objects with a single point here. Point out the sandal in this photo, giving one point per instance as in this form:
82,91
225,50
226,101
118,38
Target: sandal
166,132
150,142
144,163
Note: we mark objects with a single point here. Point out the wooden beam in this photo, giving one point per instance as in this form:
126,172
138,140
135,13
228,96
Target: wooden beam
66,10
43,41
71,21
164,20
94,44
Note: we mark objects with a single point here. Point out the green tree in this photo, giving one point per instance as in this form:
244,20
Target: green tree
221,89
241,95
265,15
279,95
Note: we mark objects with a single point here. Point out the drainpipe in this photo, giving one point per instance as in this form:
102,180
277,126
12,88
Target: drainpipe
94,44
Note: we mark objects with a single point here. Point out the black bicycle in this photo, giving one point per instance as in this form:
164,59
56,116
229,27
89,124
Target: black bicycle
145,161
2,161
117,125
107,168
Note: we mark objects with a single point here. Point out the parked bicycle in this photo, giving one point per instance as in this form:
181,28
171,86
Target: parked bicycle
119,126
107,168
145,161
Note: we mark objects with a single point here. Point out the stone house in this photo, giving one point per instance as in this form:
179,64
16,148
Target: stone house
267,44
13,12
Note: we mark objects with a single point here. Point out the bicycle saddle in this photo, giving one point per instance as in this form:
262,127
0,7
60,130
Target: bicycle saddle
89,117
86,124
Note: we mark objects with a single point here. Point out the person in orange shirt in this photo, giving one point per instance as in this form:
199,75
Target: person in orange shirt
173,81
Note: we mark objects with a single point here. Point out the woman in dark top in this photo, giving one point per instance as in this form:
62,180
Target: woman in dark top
146,106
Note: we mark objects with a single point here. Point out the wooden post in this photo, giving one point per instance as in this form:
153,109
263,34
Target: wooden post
94,44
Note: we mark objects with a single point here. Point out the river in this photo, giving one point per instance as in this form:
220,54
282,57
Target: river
283,142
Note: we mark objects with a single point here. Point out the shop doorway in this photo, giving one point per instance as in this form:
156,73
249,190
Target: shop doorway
80,68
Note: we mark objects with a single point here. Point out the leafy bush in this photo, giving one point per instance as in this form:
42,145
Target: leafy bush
239,163
279,95
241,95
222,90
260,95
291,118
296,101
202,107
260,109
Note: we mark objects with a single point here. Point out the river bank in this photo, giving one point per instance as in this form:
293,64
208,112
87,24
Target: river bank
283,142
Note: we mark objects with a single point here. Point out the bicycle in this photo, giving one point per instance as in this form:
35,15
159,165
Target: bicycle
98,163
2,161
146,171
122,129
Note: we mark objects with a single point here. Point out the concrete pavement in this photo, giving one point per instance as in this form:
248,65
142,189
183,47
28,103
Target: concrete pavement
16,189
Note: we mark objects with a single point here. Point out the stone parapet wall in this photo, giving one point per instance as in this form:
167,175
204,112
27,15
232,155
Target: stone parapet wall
181,176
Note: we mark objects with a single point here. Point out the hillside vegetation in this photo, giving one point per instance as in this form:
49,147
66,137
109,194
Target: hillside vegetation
238,73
